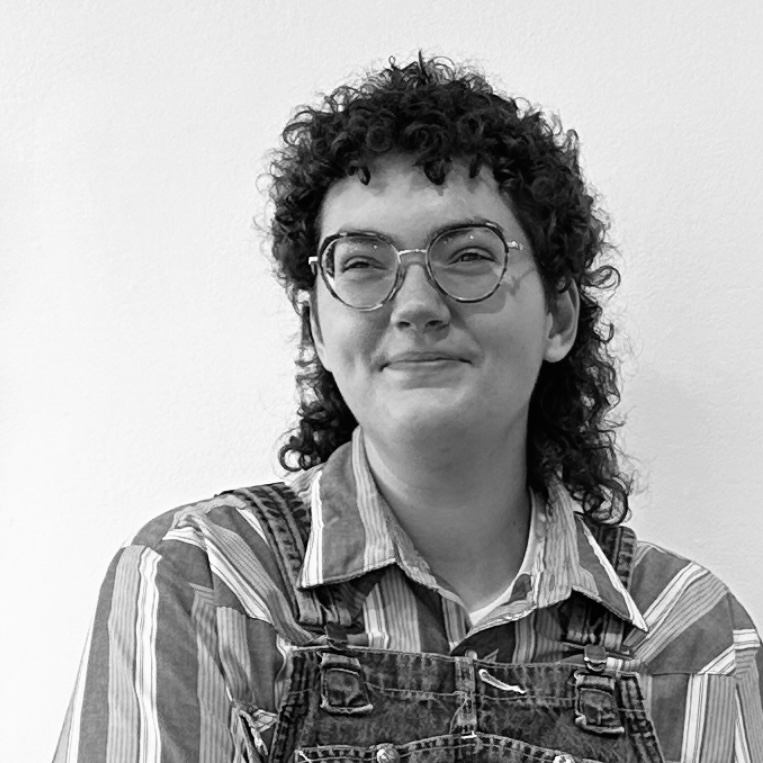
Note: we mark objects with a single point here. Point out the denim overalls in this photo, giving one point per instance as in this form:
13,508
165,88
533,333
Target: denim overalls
350,703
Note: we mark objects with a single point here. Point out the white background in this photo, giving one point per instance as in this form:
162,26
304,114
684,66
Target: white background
147,354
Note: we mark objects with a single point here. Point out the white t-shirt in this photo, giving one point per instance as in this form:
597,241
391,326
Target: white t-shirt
527,562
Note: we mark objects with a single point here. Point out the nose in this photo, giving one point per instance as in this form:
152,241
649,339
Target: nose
418,303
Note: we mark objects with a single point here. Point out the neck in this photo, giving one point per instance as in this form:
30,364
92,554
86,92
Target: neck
464,505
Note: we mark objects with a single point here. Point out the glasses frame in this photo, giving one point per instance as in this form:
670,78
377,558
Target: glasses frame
316,262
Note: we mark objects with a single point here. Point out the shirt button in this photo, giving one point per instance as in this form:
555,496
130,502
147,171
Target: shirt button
387,754
564,758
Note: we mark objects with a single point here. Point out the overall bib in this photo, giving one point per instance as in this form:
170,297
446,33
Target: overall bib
351,703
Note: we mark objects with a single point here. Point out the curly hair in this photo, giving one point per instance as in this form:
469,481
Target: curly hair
437,112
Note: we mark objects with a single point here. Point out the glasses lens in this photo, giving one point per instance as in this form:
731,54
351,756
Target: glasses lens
361,269
468,263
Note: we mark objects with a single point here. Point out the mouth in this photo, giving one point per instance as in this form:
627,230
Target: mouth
421,360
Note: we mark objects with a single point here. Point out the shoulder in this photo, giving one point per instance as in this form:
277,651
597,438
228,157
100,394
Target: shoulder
701,658
240,513
696,624
663,579
222,548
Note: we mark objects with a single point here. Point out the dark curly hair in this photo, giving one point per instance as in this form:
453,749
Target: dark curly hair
438,112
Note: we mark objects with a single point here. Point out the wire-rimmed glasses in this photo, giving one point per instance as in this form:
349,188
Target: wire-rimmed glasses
365,270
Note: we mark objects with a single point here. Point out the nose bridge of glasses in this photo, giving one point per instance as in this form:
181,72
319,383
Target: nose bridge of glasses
417,294
421,260
402,252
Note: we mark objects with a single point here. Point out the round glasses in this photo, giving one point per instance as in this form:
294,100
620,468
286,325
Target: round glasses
365,270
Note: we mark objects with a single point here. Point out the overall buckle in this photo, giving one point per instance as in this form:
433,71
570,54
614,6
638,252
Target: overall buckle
596,707
343,685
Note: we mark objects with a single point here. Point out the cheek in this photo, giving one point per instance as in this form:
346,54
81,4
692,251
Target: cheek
518,345
327,327
345,339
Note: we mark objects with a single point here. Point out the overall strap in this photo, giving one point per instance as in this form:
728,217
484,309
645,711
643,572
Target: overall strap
286,522
593,624
599,632
619,546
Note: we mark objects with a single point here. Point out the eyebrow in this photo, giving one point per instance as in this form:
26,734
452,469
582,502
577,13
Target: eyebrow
431,234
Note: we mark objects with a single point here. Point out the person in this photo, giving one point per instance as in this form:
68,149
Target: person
444,574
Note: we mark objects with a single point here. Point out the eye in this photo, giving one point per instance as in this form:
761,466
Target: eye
356,255
465,255
469,249
358,262
470,255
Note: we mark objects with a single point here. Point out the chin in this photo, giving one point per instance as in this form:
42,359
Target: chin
428,415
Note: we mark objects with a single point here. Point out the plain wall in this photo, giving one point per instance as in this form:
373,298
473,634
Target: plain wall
147,353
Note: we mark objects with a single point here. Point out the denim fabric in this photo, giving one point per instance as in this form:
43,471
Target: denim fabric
381,706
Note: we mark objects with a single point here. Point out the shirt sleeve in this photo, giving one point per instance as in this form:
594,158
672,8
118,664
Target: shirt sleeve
748,654
150,622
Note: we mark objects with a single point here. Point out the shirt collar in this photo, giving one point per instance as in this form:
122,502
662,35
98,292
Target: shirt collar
572,560
349,536
354,532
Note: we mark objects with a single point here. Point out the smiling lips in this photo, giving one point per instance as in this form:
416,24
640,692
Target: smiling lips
422,359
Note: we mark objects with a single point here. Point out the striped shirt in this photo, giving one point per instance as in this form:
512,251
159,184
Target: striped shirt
193,631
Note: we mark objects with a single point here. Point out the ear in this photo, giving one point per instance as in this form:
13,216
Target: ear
563,324
311,306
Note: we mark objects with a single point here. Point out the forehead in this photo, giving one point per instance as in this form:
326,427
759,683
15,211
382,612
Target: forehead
402,203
